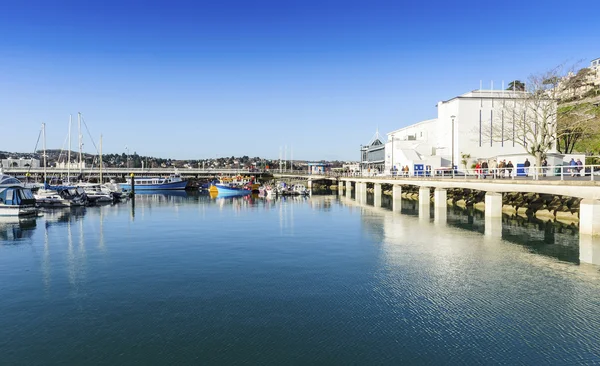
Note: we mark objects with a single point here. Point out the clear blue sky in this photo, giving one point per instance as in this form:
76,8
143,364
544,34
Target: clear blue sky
199,79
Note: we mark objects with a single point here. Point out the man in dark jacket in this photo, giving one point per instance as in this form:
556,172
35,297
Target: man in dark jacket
526,164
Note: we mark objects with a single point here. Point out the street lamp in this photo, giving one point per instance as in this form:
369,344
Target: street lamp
453,117
360,162
127,149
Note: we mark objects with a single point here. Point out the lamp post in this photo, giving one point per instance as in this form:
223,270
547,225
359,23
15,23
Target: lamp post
360,164
127,149
453,117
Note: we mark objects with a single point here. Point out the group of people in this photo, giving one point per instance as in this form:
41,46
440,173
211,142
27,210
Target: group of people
496,169
575,167
503,169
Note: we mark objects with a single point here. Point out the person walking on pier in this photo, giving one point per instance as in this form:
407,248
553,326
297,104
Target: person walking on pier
484,168
572,167
510,167
526,166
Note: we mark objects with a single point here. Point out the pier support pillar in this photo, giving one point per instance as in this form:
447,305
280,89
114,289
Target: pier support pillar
493,227
589,217
424,196
493,204
440,198
424,203
589,249
396,198
362,192
440,215
348,188
377,195
309,184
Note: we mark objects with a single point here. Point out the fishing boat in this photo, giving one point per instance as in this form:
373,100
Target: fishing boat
172,182
230,189
15,199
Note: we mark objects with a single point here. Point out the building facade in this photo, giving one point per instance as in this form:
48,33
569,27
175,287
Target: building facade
372,156
20,163
472,126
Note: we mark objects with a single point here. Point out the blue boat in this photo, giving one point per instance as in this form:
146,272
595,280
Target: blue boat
172,182
229,189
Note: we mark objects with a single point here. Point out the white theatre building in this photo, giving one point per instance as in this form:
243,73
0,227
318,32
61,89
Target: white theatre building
462,127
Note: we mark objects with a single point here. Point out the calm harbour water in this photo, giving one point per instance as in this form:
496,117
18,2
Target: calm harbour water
186,279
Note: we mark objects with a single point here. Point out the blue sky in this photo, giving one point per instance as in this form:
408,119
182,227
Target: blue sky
201,79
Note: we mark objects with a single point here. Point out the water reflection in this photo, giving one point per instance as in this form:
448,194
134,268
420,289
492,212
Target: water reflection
548,238
16,229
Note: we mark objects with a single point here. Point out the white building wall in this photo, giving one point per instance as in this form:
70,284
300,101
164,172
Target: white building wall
473,113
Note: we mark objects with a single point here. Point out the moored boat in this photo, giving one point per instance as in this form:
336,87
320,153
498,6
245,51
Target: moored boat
172,182
15,199
229,188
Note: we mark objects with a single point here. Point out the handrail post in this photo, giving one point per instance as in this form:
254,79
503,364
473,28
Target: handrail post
562,173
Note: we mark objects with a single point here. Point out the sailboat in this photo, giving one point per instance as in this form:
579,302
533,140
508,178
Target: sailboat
58,196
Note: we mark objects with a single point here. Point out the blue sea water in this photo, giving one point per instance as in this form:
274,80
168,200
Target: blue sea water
187,279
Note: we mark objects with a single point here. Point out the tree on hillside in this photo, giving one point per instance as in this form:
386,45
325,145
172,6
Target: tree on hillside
578,81
516,85
577,122
532,115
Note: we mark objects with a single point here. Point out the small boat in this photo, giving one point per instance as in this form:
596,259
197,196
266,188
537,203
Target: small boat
300,189
229,188
61,196
15,199
172,182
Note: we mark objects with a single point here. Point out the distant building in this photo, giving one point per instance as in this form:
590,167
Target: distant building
318,168
595,66
71,165
20,163
372,156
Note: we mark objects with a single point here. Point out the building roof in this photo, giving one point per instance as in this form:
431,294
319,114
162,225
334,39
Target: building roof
411,126
488,94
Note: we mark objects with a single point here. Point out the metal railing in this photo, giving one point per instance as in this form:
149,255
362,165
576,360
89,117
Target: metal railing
551,172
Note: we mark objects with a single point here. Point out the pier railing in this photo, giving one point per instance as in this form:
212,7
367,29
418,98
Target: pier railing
551,172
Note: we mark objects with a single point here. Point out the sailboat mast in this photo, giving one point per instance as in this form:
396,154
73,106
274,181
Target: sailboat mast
80,138
101,181
44,146
69,152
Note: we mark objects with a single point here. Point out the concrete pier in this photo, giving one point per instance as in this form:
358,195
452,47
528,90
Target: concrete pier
424,203
361,192
440,215
589,249
348,188
396,198
424,196
493,204
440,198
589,217
493,227
377,195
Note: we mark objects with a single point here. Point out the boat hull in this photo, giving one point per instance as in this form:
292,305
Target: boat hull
156,187
229,190
17,210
